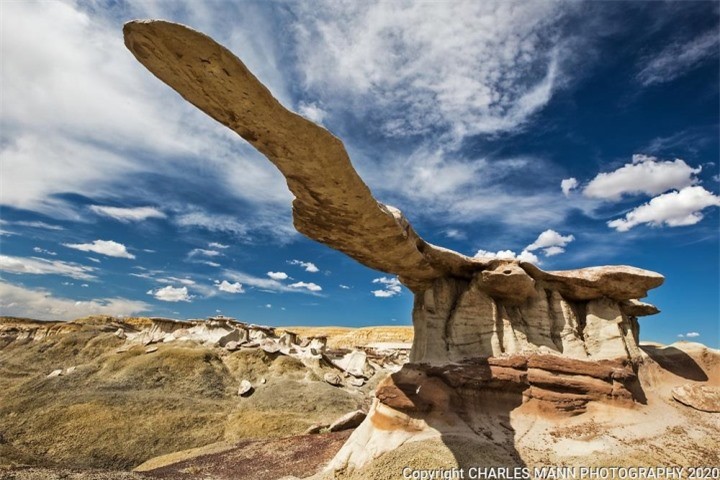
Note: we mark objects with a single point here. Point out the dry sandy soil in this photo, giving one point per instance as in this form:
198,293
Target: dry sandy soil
175,414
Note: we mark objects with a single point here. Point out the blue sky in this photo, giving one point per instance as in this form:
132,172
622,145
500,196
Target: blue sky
568,133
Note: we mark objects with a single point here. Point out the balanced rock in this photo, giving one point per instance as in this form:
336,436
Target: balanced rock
479,322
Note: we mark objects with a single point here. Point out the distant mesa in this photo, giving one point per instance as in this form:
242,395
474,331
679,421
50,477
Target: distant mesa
558,339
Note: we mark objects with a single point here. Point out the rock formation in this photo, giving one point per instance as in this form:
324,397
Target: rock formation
481,325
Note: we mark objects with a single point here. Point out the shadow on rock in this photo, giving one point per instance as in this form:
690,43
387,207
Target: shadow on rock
676,362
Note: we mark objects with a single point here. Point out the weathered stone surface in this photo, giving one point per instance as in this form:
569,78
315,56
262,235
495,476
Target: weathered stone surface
355,363
705,398
333,378
245,388
636,308
348,421
480,324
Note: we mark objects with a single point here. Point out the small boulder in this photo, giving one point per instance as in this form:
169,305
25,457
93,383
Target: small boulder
70,370
700,397
357,382
317,428
245,389
333,378
231,346
120,333
271,347
151,349
55,373
348,421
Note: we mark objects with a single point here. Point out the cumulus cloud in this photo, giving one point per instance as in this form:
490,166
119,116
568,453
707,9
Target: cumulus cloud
391,287
228,287
679,58
689,335
103,247
646,174
308,266
171,294
470,67
42,250
40,304
550,242
674,209
567,185
127,215
278,275
41,266
524,256
313,287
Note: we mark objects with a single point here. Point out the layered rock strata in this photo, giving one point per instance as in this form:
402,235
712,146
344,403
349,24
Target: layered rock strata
482,325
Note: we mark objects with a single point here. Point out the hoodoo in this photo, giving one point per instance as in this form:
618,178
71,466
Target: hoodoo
484,328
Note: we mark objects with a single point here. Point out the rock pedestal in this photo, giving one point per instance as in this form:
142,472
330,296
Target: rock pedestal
488,332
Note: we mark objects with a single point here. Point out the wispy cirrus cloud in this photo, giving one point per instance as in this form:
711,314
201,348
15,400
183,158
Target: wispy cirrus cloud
125,215
42,266
678,58
467,67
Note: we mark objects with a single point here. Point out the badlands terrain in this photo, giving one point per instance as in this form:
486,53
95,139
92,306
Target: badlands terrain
100,397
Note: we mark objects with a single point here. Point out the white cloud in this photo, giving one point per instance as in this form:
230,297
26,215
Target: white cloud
42,250
228,287
674,209
183,281
692,334
278,275
524,256
644,175
567,185
126,215
171,294
44,225
218,245
93,259
679,58
455,234
551,242
262,283
40,304
268,305
391,287
344,287
204,252
312,111
41,266
81,115
103,247
308,266
313,287
470,67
